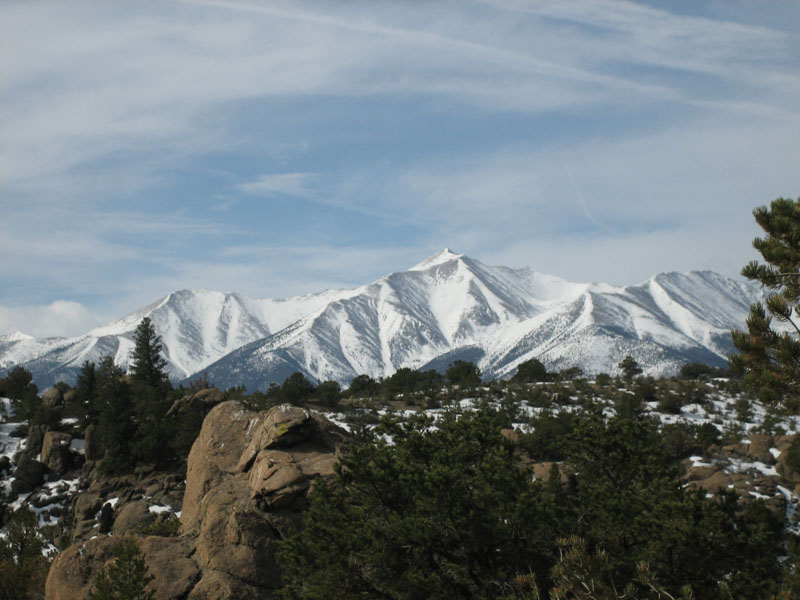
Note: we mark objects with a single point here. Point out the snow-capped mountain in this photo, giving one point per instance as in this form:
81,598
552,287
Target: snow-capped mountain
447,307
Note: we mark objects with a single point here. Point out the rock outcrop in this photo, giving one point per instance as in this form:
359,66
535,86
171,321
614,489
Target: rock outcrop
747,469
247,479
55,452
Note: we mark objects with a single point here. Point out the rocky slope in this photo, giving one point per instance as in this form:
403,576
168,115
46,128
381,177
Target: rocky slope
445,308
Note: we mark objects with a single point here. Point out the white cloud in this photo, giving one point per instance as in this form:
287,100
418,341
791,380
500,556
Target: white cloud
696,122
59,318
279,184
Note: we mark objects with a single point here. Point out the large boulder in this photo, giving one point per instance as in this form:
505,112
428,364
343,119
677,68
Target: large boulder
55,452
168,560
53,397
33,443
132,517
73,570
27,476
247,478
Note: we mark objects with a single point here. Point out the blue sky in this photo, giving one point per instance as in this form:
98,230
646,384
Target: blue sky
280,148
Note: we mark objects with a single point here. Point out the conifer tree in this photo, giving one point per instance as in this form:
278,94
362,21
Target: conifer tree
86,390
115,427
126,578
147,364
769,358
630,368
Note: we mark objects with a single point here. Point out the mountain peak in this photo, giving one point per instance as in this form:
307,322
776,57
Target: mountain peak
440,257
16,336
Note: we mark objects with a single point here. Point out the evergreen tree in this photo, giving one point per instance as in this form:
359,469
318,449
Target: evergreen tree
464,374
770,359
23,566
126,578
329,393
440,513
363,385
86,389
630,368
18,382
296,389
147,364
115,425
530,371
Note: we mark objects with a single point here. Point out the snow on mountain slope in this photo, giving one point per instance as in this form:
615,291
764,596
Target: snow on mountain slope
450,305
196,327
447,306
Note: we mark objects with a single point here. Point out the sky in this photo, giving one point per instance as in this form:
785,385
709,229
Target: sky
281,148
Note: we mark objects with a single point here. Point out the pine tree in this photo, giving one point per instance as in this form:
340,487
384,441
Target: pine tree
147,364
630,368
23,562
126,578
115,426
86,389
770,359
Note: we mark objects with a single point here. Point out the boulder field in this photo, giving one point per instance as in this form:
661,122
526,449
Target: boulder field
247,478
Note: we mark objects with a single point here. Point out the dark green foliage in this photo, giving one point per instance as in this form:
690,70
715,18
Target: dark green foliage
707,435
297,389
744,410
770,360
152,429
148,367
580,575
680,440
570,373
126,578
463,374
603,379
329,393
18,385
697,370
403,381
18,382
793,456
185,428
23,568
629,367
448,513
115,426
86,390
671,403
408,382
684,538
530,371
548,439
645,389
27,406
363,386
169,527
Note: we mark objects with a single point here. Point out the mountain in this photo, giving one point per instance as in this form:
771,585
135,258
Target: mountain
447,307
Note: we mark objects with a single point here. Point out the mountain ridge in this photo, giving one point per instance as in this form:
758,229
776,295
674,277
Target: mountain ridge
447,305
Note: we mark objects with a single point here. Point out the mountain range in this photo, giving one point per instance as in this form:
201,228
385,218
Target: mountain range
447,307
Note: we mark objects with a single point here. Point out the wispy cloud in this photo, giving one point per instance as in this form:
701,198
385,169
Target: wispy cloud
279,184
392,132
